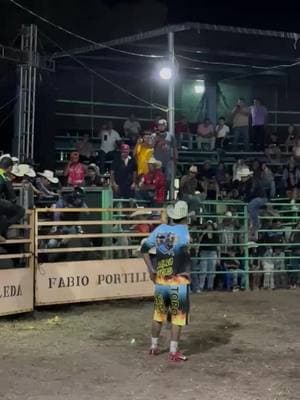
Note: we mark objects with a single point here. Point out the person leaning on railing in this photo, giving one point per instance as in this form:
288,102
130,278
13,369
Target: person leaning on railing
10,212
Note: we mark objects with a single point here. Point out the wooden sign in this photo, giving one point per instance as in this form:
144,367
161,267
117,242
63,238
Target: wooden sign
80,281
16,290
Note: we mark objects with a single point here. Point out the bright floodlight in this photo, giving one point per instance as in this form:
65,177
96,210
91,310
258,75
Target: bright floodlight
199,87
166,73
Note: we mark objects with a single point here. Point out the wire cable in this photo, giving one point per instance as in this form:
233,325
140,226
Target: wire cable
8,102
85,66
102,46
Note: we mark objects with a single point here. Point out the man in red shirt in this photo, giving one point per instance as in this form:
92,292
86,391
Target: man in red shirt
153,184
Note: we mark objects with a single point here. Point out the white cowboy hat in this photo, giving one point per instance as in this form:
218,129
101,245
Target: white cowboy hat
244,172
140,212
193,168
14,159
155,162
21,170
162,122
49,175
178,211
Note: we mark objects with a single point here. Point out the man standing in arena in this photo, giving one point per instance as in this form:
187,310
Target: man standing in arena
171,276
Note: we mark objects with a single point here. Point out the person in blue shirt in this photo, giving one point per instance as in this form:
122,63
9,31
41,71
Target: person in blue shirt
171,276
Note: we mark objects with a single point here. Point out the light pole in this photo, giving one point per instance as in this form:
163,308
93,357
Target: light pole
171,104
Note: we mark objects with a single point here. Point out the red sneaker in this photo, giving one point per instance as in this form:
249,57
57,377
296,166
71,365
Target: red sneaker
154,351
176,357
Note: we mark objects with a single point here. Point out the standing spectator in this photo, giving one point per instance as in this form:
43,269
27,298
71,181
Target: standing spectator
240,124
132,128
222,132
183,134
165,150
143,151
75,170
209,256
123,174
267,180
153,184
292,135
206,135
259,116
85,148
228,236
268,268
109,141
10,212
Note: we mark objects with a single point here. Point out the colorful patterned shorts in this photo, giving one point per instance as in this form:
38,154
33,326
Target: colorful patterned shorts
172,297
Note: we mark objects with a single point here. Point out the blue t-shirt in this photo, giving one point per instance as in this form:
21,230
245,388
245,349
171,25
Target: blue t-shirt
172,249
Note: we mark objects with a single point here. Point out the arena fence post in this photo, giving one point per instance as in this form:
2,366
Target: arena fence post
246,246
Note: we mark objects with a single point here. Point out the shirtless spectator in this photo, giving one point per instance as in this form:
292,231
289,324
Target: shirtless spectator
240,124
206,136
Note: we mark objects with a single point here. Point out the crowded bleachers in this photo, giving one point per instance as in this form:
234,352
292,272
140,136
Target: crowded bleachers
239,163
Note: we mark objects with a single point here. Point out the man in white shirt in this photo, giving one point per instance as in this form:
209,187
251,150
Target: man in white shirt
109,140
222,131
132,128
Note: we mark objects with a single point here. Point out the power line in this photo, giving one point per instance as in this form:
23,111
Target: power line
85,66
8,102
102,46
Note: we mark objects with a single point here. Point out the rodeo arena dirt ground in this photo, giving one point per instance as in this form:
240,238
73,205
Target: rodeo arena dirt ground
241,346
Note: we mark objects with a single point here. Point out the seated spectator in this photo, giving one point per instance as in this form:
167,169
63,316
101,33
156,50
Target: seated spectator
222,132
44,184
153,184
292,135
143,151
10,212
207,171
132,128
206,136
123,174
296,150
272,149
190,189
291,179
238,169
237,275
85,148
223,177
75,171
183,134
276,235
211,189
110,138
93,177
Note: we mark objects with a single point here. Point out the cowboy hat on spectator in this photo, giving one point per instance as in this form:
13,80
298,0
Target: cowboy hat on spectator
21,170
244,172
194,169
155,162
15,160
162,122
140,212
179,211
49,175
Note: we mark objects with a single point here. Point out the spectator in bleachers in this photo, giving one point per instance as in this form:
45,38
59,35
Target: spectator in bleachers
223,178
259,115
228,236
110,138
132,128
75,171
10,212
208,255
296,150
292,135
206,135
238,168
189,189
267,179
183,134
153,127
276,235
93,177
294,262
123,174
272,149
44,184
222,132
153,184
143,151
207,171
165,150
85,148
291,179
240,125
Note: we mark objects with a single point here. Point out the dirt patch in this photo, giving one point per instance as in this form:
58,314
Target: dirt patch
242,346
